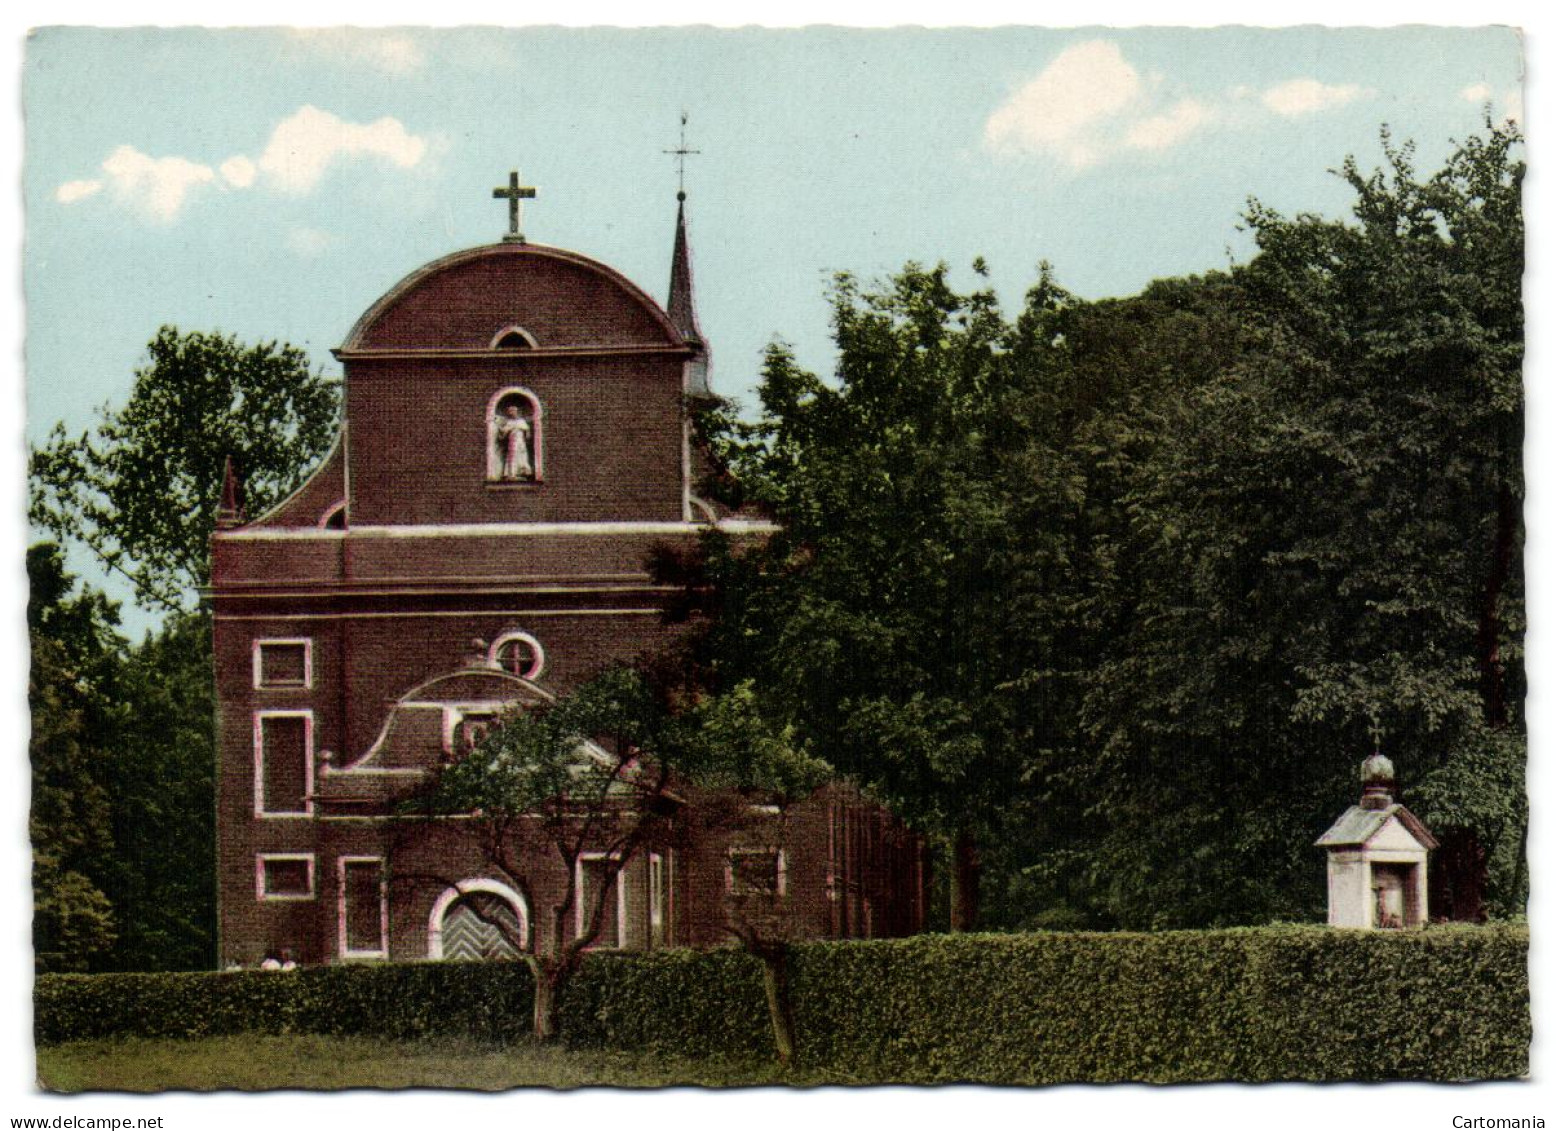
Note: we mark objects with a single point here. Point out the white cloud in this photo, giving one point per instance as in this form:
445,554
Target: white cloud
72,191
1162,131
1298,97
308,242
1058,112
301,149
393,53
1510,104
239,171
154,186
306,144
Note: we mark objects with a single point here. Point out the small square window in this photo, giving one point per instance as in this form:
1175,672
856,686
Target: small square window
755,872
283,663
465,726
287,876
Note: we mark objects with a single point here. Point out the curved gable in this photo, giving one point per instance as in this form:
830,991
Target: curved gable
314,502
418,729
466,300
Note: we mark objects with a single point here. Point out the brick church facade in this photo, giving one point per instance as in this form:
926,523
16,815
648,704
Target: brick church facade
514,448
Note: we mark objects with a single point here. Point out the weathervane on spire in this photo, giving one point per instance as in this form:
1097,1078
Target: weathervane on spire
513,194
680,153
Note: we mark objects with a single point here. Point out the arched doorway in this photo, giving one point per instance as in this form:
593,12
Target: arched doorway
478,919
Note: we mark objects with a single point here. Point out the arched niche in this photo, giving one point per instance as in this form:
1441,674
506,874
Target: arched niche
515,434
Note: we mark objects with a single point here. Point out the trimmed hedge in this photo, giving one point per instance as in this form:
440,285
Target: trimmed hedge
486,1001
1291,1003
689,1002
1279,1003
1027,1008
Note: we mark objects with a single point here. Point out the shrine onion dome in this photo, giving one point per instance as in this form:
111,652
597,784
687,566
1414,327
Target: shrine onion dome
513,295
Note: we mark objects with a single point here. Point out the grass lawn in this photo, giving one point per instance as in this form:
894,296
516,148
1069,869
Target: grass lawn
254,1063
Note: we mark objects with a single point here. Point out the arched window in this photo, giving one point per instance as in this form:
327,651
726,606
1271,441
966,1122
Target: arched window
514,338
519,653
513,437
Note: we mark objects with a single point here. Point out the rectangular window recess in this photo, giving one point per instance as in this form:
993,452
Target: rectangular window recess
283,664
284,875
283,763
363,908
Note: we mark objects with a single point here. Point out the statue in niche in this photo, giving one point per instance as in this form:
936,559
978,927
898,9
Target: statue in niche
508,457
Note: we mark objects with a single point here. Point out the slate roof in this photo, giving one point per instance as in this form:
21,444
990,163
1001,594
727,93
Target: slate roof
1357,826
681,308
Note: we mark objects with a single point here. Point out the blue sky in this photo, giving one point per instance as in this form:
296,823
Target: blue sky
272,184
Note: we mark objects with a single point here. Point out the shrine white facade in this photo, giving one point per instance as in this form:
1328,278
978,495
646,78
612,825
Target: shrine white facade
1377,858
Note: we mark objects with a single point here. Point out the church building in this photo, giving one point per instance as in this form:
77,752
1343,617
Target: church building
515,447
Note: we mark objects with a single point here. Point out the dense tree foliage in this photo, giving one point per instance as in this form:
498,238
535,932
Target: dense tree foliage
123,749
122,801
74,643
162,782
1123,591
1334,532
141,489
875,625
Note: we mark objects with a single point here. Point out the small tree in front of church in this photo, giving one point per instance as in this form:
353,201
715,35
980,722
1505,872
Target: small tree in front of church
591,776
605,775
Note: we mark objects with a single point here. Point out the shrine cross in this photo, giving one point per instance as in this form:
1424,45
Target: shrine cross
513,194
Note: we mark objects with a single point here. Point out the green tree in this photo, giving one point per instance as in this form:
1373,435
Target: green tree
1103,380
591,772
607,770
953,554
75,644
160,776
141,489
1329,547
122,790
1117,596
879,625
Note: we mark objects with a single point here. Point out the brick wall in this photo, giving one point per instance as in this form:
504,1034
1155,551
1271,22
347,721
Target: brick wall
434,555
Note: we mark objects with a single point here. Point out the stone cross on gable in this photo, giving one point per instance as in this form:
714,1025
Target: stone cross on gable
513,193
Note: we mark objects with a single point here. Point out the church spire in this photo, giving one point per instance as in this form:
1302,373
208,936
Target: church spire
681,307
